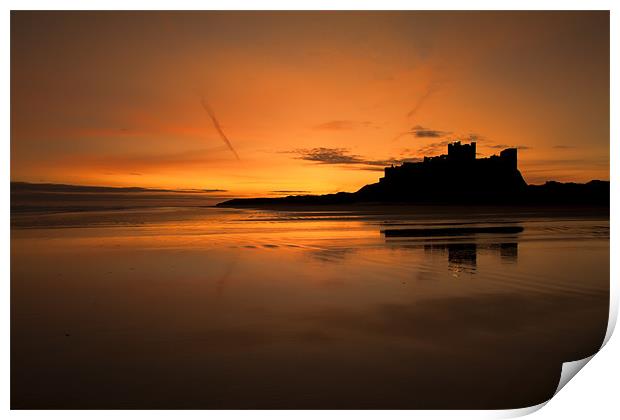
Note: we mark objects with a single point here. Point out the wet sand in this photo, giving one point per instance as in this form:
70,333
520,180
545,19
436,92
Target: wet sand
202,308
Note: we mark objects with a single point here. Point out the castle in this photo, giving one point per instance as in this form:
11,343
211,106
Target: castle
458,178
458,173
461,156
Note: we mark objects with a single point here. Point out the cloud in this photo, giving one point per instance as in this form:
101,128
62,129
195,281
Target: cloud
440,147
339,125
423,132
505,146
433,149
431,88
428,133
377,168
340,156
563,146
327,155
289,191
217,126
474,137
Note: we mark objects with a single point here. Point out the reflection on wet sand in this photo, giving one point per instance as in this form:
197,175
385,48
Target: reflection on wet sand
222,309
331,254
221,282
462,256
509,252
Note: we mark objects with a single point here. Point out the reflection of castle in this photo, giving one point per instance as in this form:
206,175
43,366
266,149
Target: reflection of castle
508,252
462,257
457,174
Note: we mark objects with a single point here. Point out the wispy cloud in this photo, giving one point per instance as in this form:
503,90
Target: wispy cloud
340,156
326,155
431,89
423,132
563,146
289,191
505,146
217,126
433,149
477,137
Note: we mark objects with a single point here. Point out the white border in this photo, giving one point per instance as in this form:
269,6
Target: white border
593,395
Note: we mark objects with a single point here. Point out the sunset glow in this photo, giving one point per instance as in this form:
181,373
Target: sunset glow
311,102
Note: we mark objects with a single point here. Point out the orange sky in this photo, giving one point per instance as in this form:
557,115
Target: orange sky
315,102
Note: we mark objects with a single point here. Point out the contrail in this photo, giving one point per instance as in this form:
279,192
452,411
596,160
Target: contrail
217,126
430,89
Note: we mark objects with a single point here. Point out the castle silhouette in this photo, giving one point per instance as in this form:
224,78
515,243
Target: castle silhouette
459,173
457,177
460,156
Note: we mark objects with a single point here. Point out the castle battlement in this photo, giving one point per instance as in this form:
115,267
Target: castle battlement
458,169
461,152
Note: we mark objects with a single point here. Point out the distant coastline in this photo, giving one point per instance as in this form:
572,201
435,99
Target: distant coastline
61,198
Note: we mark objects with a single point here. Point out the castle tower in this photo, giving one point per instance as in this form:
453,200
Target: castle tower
510,157
462,152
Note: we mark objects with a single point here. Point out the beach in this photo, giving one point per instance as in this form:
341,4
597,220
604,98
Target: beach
208,308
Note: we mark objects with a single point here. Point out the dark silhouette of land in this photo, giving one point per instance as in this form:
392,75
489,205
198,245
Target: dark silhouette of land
28,187
455,178
450,231
58,198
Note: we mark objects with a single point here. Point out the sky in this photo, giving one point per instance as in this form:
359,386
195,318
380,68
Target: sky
260,103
